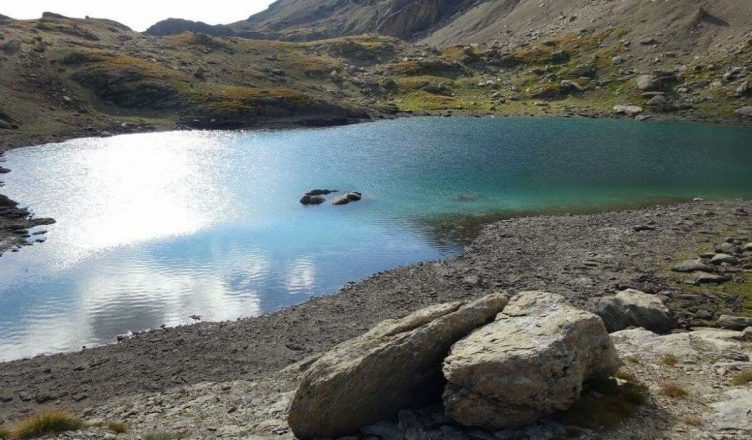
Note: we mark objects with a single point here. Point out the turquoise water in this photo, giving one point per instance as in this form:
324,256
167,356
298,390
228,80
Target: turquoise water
154,228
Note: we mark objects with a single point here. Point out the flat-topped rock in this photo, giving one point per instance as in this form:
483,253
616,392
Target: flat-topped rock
734,322
724,258
693,266
531,361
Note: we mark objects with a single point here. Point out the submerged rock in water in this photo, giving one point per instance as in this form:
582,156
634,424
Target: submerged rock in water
530,362
395,365
466,197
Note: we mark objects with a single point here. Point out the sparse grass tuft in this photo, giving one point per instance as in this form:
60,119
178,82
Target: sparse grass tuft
625,375
670,360
673,390
165,436
118,427
742,378
4,433
693,421
631,360
51,422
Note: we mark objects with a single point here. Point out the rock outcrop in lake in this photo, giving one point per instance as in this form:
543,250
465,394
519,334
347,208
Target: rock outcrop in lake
347,198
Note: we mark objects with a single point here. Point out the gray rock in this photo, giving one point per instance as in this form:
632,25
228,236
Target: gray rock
648,82
617,60
732,413
724,258
395,365
744,111
743,88
584,70
689,347
571,86
725,248
707,278
530,362
347,198
629,110
692,266
633,308
312,200
734,322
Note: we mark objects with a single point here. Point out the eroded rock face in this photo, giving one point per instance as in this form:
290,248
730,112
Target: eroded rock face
633,308
395,365
531,361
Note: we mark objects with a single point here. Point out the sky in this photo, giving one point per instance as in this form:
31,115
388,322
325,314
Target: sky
138,14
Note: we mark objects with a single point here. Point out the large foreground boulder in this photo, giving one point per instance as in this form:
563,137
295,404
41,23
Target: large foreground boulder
530,362
395,365
633,308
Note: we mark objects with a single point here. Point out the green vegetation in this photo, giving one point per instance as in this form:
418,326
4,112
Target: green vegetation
47,423
673,390
742,378
605,403
625,375
4,433
165,436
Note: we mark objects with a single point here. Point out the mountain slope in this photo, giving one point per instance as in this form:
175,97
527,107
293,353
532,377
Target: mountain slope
688,23
315,19
174,26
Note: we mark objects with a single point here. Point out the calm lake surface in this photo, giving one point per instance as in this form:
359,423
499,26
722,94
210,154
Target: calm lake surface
154,228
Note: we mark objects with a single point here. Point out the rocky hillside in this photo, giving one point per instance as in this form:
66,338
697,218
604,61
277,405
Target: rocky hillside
175,26
690,24
316,19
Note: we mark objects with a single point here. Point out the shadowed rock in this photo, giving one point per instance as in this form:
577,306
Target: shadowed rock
632,308
530,362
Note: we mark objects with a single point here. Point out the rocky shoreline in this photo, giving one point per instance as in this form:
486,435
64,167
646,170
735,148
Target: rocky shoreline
581,257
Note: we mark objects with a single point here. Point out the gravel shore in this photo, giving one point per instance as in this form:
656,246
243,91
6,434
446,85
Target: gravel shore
579,256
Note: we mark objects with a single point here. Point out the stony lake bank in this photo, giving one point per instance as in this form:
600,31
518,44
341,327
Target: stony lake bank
234,379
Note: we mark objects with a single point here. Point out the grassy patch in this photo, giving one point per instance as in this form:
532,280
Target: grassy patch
4,433
605,403
673,390
631,360
47,423
118,427
669,360
693,421
165,436
742,378
625,375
